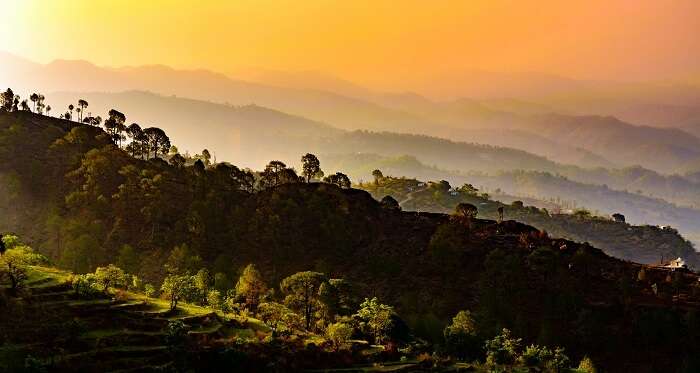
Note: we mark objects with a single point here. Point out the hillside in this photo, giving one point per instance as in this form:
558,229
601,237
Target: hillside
429,266
606,198
642,244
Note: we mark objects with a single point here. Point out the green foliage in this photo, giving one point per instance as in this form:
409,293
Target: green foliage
214,299
15,260
339,333
279,318
178,287
461,336
149,290
251,287
111,276
302,293
586,366
377,319
502,349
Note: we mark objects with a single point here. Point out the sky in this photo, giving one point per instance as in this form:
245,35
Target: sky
381,44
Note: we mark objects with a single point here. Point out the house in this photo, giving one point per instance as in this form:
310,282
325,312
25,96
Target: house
618,217
454,193
421,184
676,264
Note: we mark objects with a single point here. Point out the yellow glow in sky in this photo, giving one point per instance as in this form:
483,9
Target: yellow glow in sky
374,42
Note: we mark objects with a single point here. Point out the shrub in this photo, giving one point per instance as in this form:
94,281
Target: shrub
586,365
339,333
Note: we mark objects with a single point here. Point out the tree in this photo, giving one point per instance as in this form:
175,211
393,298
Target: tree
48,110
15,260
378,319
500,214
503,349
586,366
311,166
378,175
82,104
251,287
272,174
7,99
34,98
111,276
461,337
70,109
115,125
301,290
389,203
466,210
339,334
203,281
25,105
339,179
158,141
178,287
278,317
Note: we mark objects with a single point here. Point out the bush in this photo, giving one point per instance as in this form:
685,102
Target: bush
149,290
339,333
586,365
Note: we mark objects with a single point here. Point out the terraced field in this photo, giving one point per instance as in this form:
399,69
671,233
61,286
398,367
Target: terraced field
119,332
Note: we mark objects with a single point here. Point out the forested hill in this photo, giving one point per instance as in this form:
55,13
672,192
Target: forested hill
84,199
643,244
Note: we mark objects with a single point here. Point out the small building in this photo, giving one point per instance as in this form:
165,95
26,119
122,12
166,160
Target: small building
676,264
421,184
618,217
454,193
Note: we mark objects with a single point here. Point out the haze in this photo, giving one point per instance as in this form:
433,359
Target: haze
380,44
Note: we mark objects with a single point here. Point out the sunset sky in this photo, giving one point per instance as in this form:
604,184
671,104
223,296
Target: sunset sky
377,43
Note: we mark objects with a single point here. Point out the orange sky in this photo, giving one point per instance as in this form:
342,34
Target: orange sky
384,44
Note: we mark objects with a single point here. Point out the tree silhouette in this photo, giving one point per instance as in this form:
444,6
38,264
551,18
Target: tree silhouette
115,125
48,110
311,166
70,108
25,105
7,99
34,97
272,175
82,104
340,179
157,140
137,137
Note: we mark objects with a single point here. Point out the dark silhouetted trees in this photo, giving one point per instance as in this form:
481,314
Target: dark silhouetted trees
82,104
158,141
311,167
340,179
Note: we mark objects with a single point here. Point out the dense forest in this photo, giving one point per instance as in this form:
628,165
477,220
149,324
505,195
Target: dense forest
113,203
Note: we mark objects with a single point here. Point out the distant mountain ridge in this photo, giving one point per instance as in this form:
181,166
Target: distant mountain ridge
353,107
